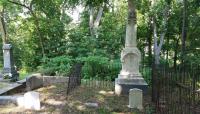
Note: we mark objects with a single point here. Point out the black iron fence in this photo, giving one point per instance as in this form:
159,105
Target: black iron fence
176,90
95,83
99,78
74,77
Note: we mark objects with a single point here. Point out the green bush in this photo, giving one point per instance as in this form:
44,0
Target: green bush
98,67
146,72
60,65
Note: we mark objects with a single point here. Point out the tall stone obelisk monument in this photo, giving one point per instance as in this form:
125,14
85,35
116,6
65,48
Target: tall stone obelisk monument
130,76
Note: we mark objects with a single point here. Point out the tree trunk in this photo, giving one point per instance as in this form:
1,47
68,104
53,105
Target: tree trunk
62,10
175,53
91,20
36,22
3,27
149,40
97,21
184,30
94,24
157,47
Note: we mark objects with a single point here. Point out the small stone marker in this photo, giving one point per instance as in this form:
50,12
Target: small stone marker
20,101
135,98
92,105
31,100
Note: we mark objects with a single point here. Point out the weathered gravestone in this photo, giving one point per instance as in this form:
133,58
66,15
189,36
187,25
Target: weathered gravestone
34,82
8,68
135,99
32,100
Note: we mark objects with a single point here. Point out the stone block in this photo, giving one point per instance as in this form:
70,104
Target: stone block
34,82
32,100
6,100
135,98
92,105
123,85
48,80
20,101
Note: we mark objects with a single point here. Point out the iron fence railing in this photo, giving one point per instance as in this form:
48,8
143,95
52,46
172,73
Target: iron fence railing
74,79
176,90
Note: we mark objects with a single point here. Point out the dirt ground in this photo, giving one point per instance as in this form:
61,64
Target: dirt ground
54,100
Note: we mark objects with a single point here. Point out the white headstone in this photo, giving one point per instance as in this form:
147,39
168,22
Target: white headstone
20,101
31,100
135,98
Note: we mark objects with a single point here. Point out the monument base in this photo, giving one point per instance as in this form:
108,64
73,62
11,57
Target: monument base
123,85
12,74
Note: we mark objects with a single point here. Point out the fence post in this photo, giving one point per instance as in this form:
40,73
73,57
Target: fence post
154,83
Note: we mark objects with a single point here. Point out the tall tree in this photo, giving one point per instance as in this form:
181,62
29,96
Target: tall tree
36,21
94,24
159,39
3,26
184,29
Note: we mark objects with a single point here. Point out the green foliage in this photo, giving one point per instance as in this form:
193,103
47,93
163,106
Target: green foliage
47,24
59,66
98,67
146,72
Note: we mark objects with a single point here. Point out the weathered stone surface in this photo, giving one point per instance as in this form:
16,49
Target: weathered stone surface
130,77
32,100
92,105
20,101
34,82
8,68
1,76
5,100
135,99
7,56
122,86
8,87
130,59
29,100
48,80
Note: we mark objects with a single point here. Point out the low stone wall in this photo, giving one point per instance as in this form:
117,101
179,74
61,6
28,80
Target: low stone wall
6,100
36,81
49,80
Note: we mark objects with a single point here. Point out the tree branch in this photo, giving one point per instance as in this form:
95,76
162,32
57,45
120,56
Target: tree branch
20,4
98,18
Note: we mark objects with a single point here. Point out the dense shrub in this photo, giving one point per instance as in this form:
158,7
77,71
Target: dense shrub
60,65
97,67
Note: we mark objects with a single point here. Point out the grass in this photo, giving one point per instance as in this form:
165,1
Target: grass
54,100
23,75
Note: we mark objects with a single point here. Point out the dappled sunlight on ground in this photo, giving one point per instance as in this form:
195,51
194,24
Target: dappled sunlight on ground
55,101
107,93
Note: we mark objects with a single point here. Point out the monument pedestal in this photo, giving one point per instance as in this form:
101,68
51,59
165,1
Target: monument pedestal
130,76
123,85
8,69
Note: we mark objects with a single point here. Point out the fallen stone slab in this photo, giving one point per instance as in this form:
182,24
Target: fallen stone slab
6,100
9,87
29,100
